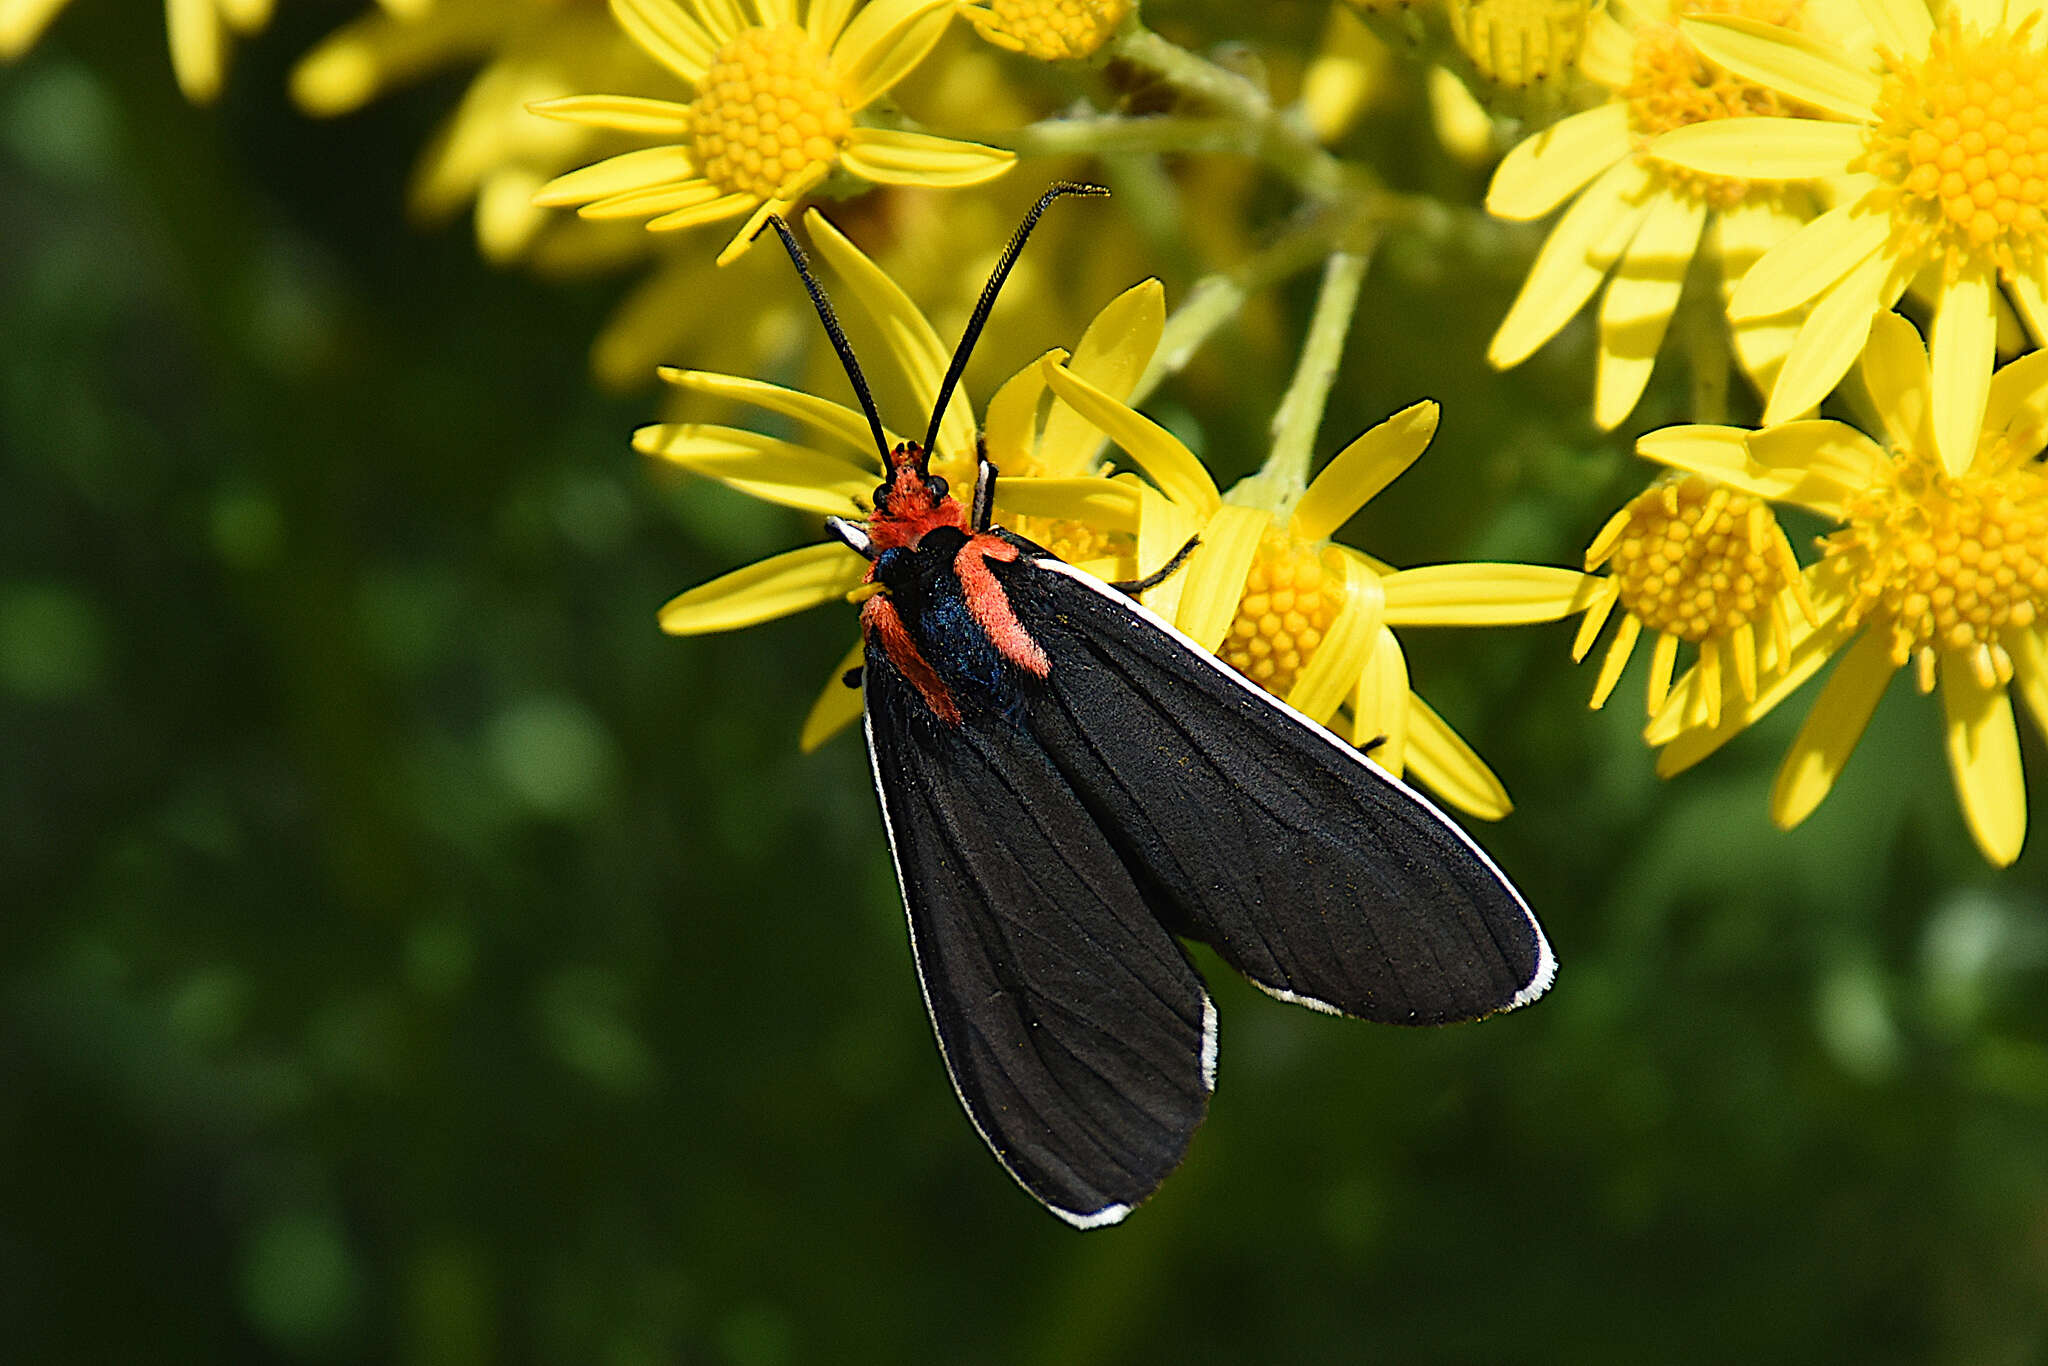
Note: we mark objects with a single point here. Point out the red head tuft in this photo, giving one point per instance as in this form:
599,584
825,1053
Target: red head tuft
911,501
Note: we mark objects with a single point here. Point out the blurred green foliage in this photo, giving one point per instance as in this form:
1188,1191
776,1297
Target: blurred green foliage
412,956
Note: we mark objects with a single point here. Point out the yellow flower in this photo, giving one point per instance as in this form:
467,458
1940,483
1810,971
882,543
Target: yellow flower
1310,620
1692,561
1636,224
1944,570
1052,488
1945,133
777,86
492,151
199,31
1050,30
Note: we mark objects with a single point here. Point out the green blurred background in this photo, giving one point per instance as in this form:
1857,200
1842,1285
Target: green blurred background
409,954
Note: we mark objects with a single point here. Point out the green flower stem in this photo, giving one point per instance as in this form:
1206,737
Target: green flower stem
1300,414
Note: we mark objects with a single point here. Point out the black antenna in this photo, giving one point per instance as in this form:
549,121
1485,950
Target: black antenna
979,318
835,331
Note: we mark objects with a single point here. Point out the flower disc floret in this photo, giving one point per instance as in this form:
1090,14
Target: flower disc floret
1696,560
1671,86
1052,30
1949,563
1292,594
769,110
1961,142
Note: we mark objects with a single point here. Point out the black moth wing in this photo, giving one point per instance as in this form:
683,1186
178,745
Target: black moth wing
1078,1036
1309,869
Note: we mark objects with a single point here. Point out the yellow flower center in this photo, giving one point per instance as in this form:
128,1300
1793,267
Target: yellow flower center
768,110
1695,560
1961,143
1514,42
1292,594
1671,86
1947,562
1056,30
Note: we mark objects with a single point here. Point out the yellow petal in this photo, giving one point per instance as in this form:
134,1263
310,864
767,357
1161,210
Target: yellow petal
1833,725
199,48
22,22
919,356
1010,425
834,420
1442,761
1807,68
1815,463
1600,595
1215,573
668,34
645,169
884,43
1111,355
1164,526
1807,262
660,200
1572,262
1616,659
1895,372
1901,25
1984,759
1380,707
1154,450
624,113
1960,357
1545,170
1740,237
1358,472
1333,670
2029,291
1481,594
1762,148
1639,302
1103,504
889,156
1610,52
2030,672
837,707
826,20
1832,338
764,467
774,587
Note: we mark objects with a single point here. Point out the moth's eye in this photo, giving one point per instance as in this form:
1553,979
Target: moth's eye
936,485
881,495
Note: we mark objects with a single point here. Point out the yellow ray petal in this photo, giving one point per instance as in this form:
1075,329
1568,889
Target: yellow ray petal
1545,170
644,169
1833,725
1739,237
1481,594
1010,423
718,210
1444,763
837,707
668,34
22,22
1815,463
774,587
1609,54
1616,659
890,156
1984,759
624,113
2030,672
1639,302
657,201
1901,25
1807,262
1154,450
1215,573
1600,597
826,20
1895,372
884,43
767,468
1832,337
199,48
1960,356
1805,67
2029,290
1762,148
1663,659
1111,355
1164,526
1359,471
2018,401
1333,670
834,420
1572,263
1103,504
1379,709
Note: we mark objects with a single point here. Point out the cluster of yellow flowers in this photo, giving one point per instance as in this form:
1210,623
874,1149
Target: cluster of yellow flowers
1815,163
